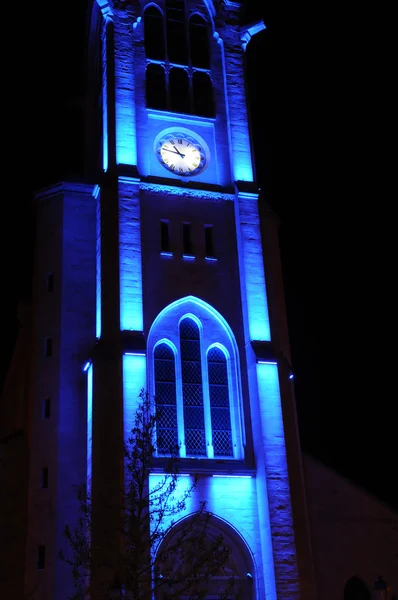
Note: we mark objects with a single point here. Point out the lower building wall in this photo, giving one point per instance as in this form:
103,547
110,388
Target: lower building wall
353,534
13,514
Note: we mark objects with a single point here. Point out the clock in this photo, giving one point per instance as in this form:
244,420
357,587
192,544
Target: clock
182,152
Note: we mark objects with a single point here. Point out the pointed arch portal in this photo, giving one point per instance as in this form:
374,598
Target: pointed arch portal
173,565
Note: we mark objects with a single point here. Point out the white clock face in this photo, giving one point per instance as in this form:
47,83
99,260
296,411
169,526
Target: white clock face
181,153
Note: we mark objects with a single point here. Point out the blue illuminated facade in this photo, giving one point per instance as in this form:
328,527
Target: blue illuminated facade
175,294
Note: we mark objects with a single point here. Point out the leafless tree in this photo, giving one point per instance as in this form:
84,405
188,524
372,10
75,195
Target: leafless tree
163,555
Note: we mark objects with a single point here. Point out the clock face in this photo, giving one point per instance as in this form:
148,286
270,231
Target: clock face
181,153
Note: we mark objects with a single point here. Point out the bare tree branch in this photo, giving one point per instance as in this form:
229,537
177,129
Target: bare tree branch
181,559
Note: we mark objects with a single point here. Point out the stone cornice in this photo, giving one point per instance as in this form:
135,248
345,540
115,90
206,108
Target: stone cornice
159,189
64,187
249,31
247,189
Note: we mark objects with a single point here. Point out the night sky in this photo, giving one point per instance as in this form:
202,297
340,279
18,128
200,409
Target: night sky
319,89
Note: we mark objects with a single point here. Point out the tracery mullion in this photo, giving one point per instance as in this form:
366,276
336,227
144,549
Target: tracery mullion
192,388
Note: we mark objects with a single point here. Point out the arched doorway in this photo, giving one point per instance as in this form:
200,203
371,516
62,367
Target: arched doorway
203,554
355,589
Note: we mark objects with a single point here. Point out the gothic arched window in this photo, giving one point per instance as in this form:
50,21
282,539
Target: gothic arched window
154,34
219,402
202,94
156,94
199,42
192,388
177,49
194,378
180,100
171,42
166,399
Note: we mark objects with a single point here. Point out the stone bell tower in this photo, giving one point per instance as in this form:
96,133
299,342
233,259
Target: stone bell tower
164,274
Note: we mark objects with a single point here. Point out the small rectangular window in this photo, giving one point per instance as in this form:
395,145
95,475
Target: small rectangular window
164,236
41,557
50,282
186,239
47,408
44,477
48,346
209,242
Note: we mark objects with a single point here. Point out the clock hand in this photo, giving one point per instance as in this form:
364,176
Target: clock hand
178,152
167,150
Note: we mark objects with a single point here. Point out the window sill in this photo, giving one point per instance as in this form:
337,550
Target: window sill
168,115
226,467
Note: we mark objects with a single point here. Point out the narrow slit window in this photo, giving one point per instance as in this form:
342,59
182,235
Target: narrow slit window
47,408
209,242
164,236
50,282
48,346
44,477
41,557
187,239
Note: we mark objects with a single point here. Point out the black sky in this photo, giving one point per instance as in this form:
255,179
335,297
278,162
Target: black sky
320,86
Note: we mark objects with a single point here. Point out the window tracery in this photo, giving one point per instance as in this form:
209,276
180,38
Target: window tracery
194,379
178,76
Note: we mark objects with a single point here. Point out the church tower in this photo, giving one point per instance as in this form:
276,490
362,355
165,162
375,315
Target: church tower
160,275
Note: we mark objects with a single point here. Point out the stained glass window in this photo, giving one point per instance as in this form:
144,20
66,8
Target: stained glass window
219,403
192,388
165,398
195,385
